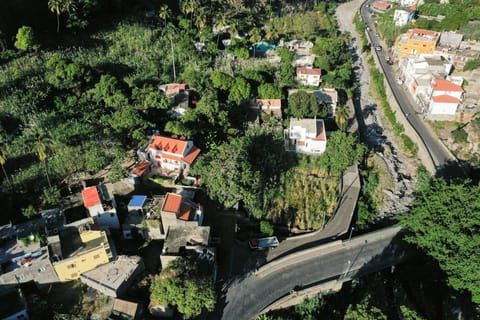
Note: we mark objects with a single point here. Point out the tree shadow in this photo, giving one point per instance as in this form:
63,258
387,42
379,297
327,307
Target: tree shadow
458,170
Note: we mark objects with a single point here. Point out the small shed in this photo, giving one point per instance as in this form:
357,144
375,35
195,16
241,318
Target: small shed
137,203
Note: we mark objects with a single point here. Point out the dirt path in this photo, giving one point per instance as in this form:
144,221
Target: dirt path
376,134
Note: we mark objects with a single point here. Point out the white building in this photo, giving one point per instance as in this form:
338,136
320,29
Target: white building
171,154
306,136
309,76
401,17
446,96
101,206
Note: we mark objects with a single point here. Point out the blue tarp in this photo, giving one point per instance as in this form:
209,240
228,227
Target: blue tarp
137,201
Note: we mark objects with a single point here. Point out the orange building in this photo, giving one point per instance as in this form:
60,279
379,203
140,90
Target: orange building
415,42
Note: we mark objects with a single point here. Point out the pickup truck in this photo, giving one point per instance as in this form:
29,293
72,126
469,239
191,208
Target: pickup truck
263,243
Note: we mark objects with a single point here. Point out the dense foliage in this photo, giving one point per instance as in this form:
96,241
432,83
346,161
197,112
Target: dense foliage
183,285
444,223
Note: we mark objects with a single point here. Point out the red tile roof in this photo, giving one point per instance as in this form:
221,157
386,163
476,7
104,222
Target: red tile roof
172,203
444,98
192,155
174,88
90,197
141,168
445,85
269,103
381,5
424,31
311,71
184,214
166,144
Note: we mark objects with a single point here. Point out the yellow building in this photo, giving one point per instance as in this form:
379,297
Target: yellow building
415,42
78,248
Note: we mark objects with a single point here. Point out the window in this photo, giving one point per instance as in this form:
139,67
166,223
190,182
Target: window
107,251
97,256
71,266
74,275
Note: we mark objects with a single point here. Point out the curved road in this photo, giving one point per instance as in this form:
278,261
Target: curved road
246,298
441,157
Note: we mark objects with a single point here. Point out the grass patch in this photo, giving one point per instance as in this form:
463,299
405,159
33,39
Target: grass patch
361,27
306,199
162,180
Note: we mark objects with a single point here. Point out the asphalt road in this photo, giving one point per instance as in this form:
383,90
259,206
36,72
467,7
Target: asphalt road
336,227
441,157
247,297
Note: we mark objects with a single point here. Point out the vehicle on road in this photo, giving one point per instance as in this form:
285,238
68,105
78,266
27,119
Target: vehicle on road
263,243
389,60
378,48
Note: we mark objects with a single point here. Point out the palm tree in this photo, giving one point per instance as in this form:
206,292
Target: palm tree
341,117
221,22
255,36
271,34
201,20
60,6
55,6
164,13
42,144
3,160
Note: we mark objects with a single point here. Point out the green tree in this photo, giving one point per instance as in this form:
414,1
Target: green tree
255,36
181,284
221,80
108,91
239,91
341,117
343,150
443,222
57,7
164,13
364,312
29,211
305,105
409,314
25,39
51,195
266,228
65,74
269,91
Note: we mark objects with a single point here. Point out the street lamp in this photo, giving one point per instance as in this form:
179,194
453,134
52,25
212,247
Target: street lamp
350,236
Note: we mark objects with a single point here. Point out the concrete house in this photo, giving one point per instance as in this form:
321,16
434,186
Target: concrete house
79,247
23,258
171,154
309,76
114,278
101,206
415,42
446,96
306,136
177,210
269,106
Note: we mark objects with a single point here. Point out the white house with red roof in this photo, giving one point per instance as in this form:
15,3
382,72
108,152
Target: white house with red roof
309,76
446,96
101,206
306,136
171,154
177,210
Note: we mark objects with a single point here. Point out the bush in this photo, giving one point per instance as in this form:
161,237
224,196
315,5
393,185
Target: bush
29,211
471,65
460,136
266,228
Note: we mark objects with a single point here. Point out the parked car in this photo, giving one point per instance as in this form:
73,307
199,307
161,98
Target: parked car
263,243
378,48
389,61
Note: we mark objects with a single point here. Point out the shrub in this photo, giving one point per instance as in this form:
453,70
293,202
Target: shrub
460,136
266,228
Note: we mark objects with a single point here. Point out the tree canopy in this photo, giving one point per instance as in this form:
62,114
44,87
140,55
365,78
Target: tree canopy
302,104
25,39
444,222
183,285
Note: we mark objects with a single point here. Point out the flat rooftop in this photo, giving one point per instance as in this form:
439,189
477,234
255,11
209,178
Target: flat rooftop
115,273
181,236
